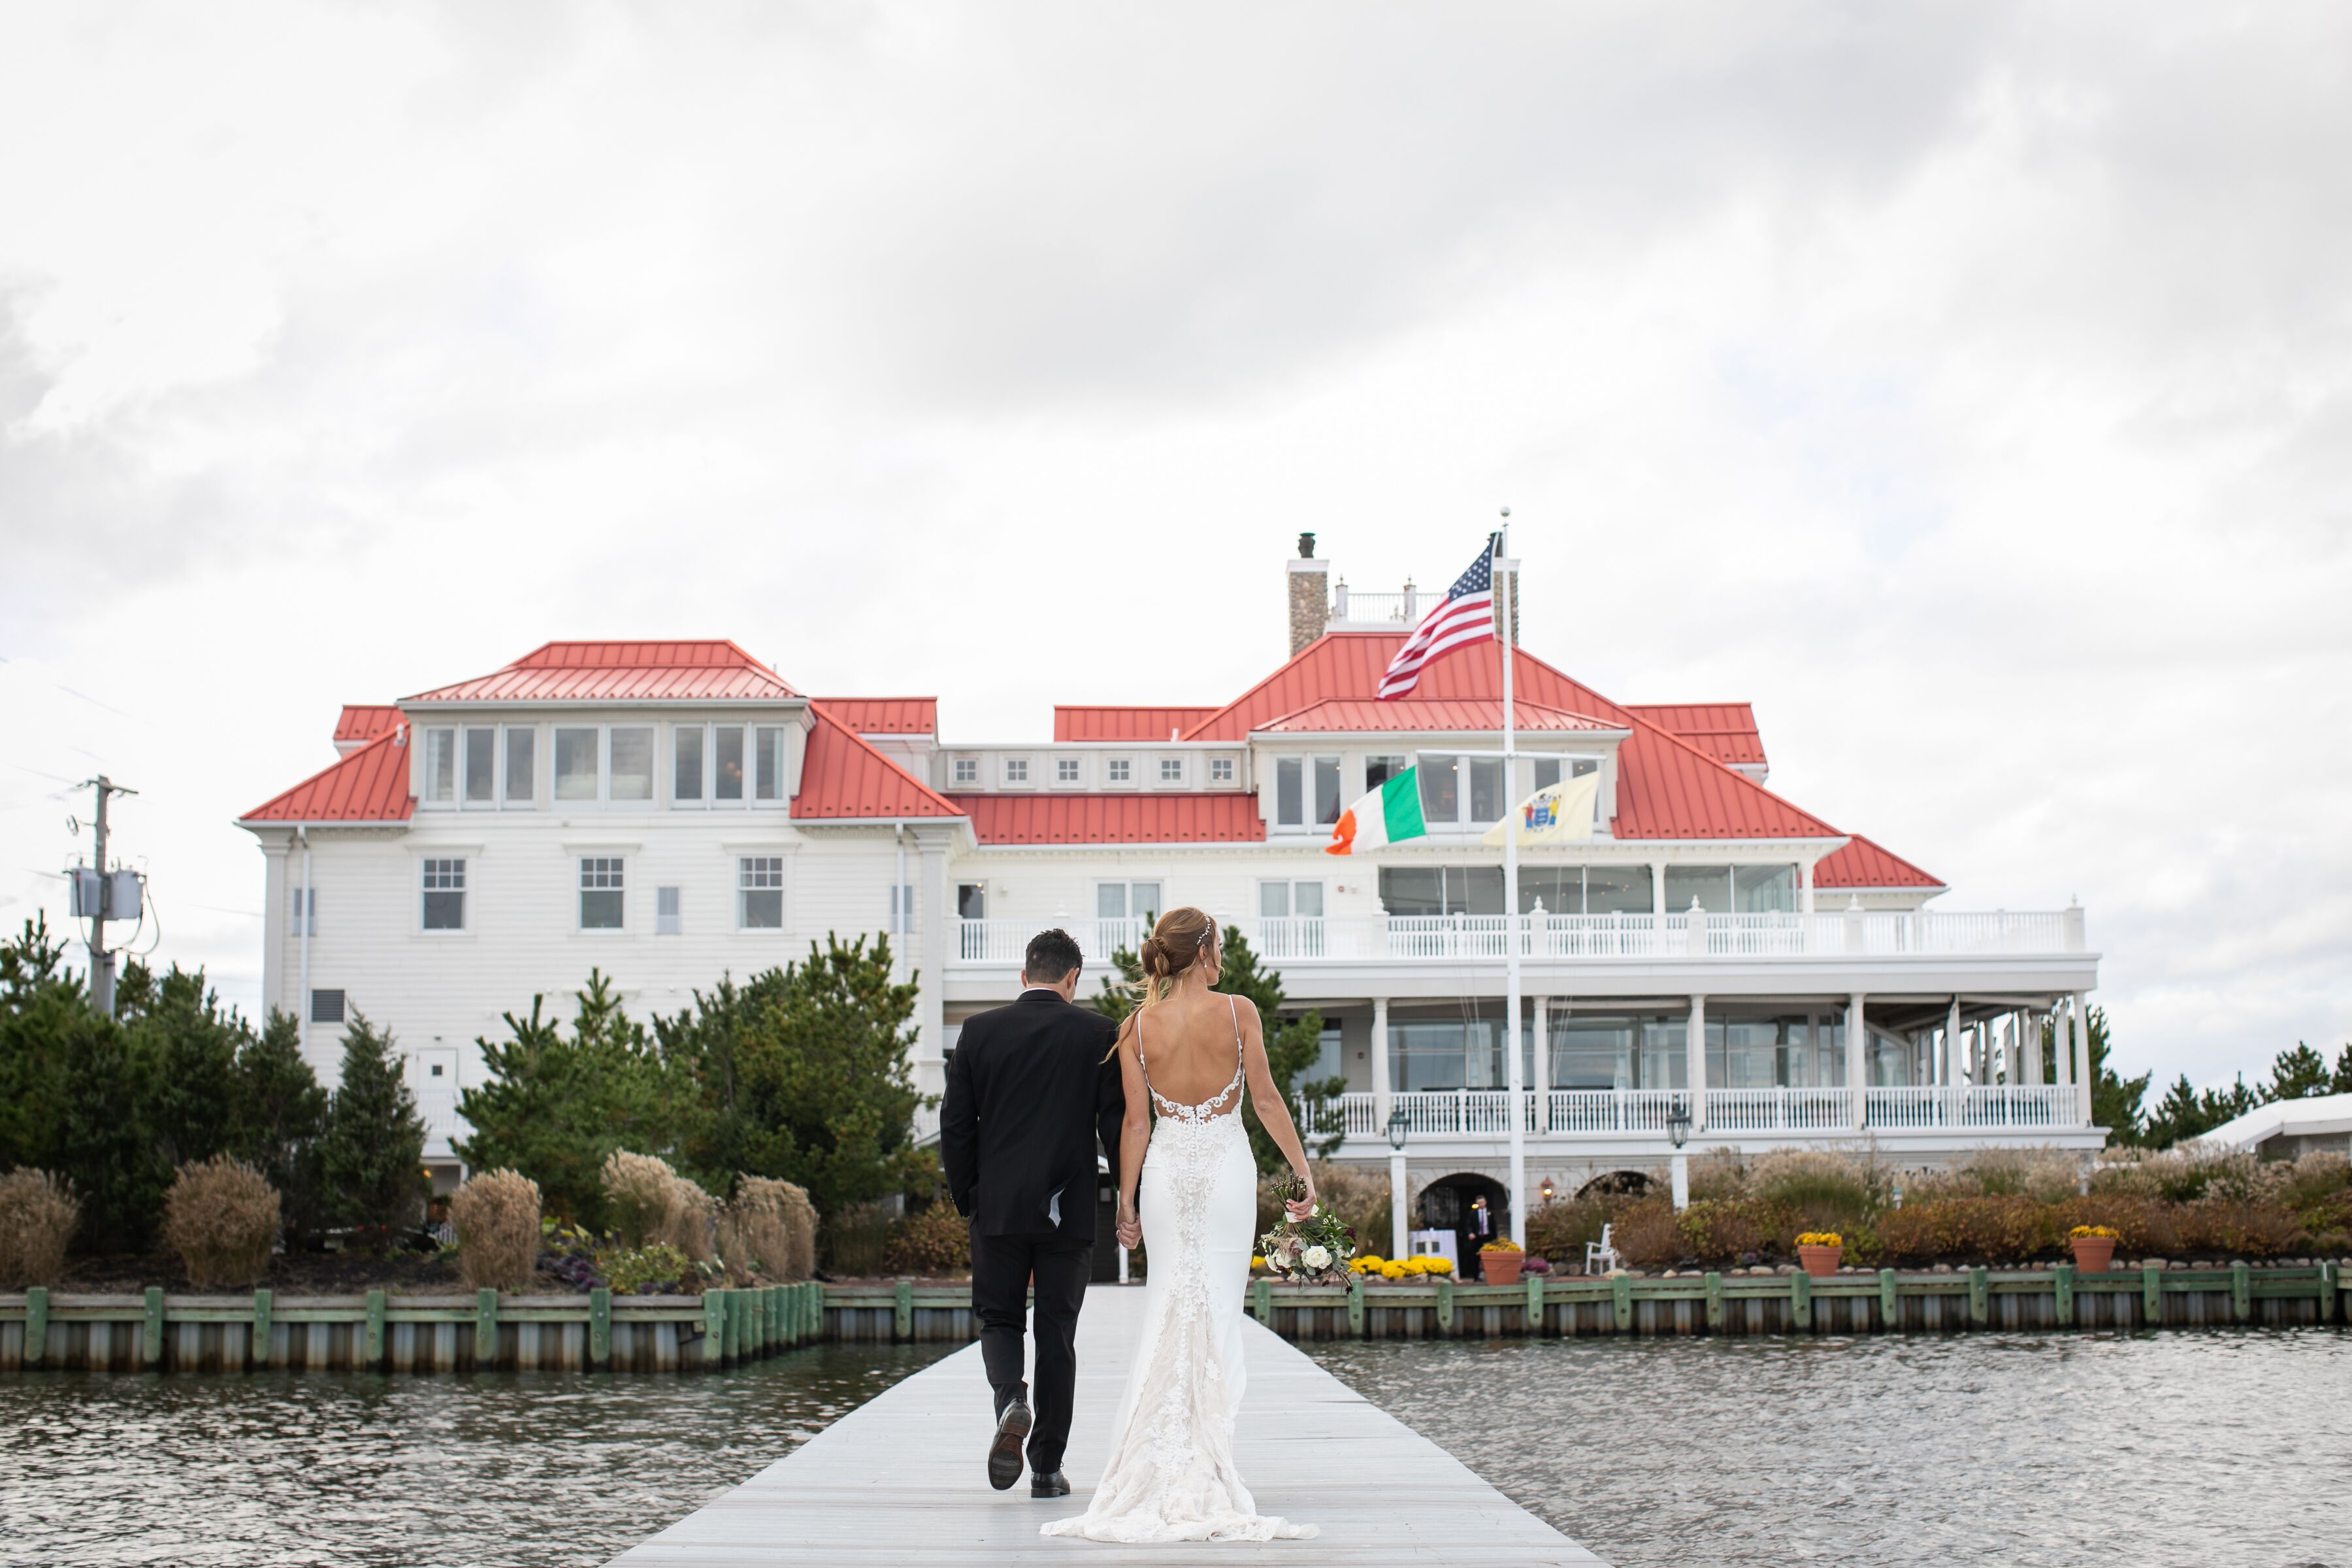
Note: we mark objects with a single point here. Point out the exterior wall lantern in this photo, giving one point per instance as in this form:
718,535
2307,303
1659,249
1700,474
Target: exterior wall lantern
1399,1125
1678,1127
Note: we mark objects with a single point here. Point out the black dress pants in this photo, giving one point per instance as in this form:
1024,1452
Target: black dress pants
1002,1269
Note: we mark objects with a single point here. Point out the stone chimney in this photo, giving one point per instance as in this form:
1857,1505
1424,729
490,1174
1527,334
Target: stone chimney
1310,598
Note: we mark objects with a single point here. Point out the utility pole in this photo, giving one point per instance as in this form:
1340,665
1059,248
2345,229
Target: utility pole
101,962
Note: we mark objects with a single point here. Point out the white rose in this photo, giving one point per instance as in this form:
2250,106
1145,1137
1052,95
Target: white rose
1316,1257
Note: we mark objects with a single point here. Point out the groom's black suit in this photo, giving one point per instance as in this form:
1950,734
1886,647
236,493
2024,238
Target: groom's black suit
1029,1091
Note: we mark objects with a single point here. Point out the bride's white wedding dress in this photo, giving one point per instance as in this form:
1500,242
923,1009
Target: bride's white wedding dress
1170,1475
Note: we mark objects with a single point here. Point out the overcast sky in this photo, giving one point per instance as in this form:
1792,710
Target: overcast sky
1969,387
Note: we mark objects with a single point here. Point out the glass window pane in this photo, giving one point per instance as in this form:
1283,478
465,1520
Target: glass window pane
440,764
1546,772
600,893
1474,889
1411,890
632,764
686,747
1764,889
481,766
1274,900
1617,891
1110,901
1485,789
1289,793
971,901
1307,900
1326,790
1592,1052
768,781
1378,770
1710,885
522,748
727,770
445,895
575,765
1543,883
1441,791
1579,766
1143,900
759,881
1662,1064
668,920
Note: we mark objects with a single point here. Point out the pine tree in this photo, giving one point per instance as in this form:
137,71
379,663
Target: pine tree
2340,1081
556,1108
1292,1044
281,1113
188,1045
2114,1100
2298,1073
370,1161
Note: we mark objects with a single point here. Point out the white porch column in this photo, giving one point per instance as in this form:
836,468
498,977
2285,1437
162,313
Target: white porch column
1694,1055
1952,1044
1857,1077
2081,1020
1542,1025
1399,1243
2060,1057
1380,1097
2029,1028
1805,886
932,907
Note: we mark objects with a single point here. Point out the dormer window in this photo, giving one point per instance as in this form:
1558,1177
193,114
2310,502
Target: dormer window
1220,770
1122,770
1065,770
966,770
1171,770
1293,779
1016,769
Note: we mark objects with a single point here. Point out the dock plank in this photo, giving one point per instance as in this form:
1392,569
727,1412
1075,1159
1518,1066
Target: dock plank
899,1479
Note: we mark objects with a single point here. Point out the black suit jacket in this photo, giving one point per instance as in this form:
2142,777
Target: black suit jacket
1030,1090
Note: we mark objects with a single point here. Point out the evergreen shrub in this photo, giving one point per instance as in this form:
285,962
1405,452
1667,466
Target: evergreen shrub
936,1241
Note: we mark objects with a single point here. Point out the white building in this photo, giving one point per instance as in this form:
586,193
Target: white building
671,812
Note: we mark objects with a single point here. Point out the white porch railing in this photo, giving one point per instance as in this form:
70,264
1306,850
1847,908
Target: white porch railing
1472,1112
1409,939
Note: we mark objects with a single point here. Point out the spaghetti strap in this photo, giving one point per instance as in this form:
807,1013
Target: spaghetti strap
1233,1006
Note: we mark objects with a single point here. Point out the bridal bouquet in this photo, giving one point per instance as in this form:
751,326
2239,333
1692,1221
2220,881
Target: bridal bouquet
1310,1251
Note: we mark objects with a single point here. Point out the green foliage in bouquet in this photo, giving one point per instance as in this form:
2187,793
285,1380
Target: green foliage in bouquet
1310,1251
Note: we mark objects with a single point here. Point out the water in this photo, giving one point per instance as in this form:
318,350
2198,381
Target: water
345,1468
2025,1450
2211,1448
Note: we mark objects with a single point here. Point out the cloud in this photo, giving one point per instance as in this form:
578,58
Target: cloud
1964,386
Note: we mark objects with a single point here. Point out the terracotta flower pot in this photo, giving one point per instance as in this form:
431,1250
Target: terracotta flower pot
1501,1267
2093,1253
1821,1262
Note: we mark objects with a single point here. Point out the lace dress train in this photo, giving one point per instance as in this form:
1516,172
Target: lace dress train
1171,1475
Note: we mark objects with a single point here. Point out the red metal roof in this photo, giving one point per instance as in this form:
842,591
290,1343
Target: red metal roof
1340,715
371,784
1227,818
842,776
886,715
1667,788
1863,863
362,722
622,672
1096,723
1724,730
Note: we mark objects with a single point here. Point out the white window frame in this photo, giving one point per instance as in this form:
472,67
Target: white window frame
460,859
579,889
963,771
1068,770
455,734
1170,773
1290,885
539,765
745,871
1014,771
1221,770
666,768
1118,769
1127,895
652,797
670,921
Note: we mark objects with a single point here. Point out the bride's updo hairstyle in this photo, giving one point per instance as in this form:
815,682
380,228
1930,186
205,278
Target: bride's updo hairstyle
1182,940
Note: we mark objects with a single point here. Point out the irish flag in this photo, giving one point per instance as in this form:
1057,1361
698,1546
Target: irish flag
1389,815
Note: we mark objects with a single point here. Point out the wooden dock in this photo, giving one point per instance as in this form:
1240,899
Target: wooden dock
900,1480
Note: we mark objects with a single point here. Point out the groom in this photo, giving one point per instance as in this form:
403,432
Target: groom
1030,1088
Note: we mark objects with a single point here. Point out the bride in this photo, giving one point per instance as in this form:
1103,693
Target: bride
1170,1475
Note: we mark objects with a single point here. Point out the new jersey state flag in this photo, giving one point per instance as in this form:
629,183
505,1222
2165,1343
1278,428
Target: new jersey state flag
1556,814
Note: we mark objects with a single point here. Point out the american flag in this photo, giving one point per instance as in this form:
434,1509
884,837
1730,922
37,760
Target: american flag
1467,617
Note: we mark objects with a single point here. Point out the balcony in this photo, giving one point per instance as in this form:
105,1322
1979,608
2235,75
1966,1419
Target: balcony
1547,938
1569,1113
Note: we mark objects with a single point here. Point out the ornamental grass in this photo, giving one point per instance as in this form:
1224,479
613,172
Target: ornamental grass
495,1215
221,1215
653,1205
934,1241
768,1230
1357,1194
37,1215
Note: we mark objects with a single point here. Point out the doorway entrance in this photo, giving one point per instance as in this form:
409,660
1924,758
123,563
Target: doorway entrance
1476,1209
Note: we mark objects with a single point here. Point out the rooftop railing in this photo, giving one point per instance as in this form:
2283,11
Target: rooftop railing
1547,937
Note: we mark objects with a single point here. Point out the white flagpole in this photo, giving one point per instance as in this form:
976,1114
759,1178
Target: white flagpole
1514,1077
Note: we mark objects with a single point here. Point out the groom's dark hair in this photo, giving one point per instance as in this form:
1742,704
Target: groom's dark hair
1051,955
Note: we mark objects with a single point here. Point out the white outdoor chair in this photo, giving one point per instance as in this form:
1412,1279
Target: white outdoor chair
1603,1252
